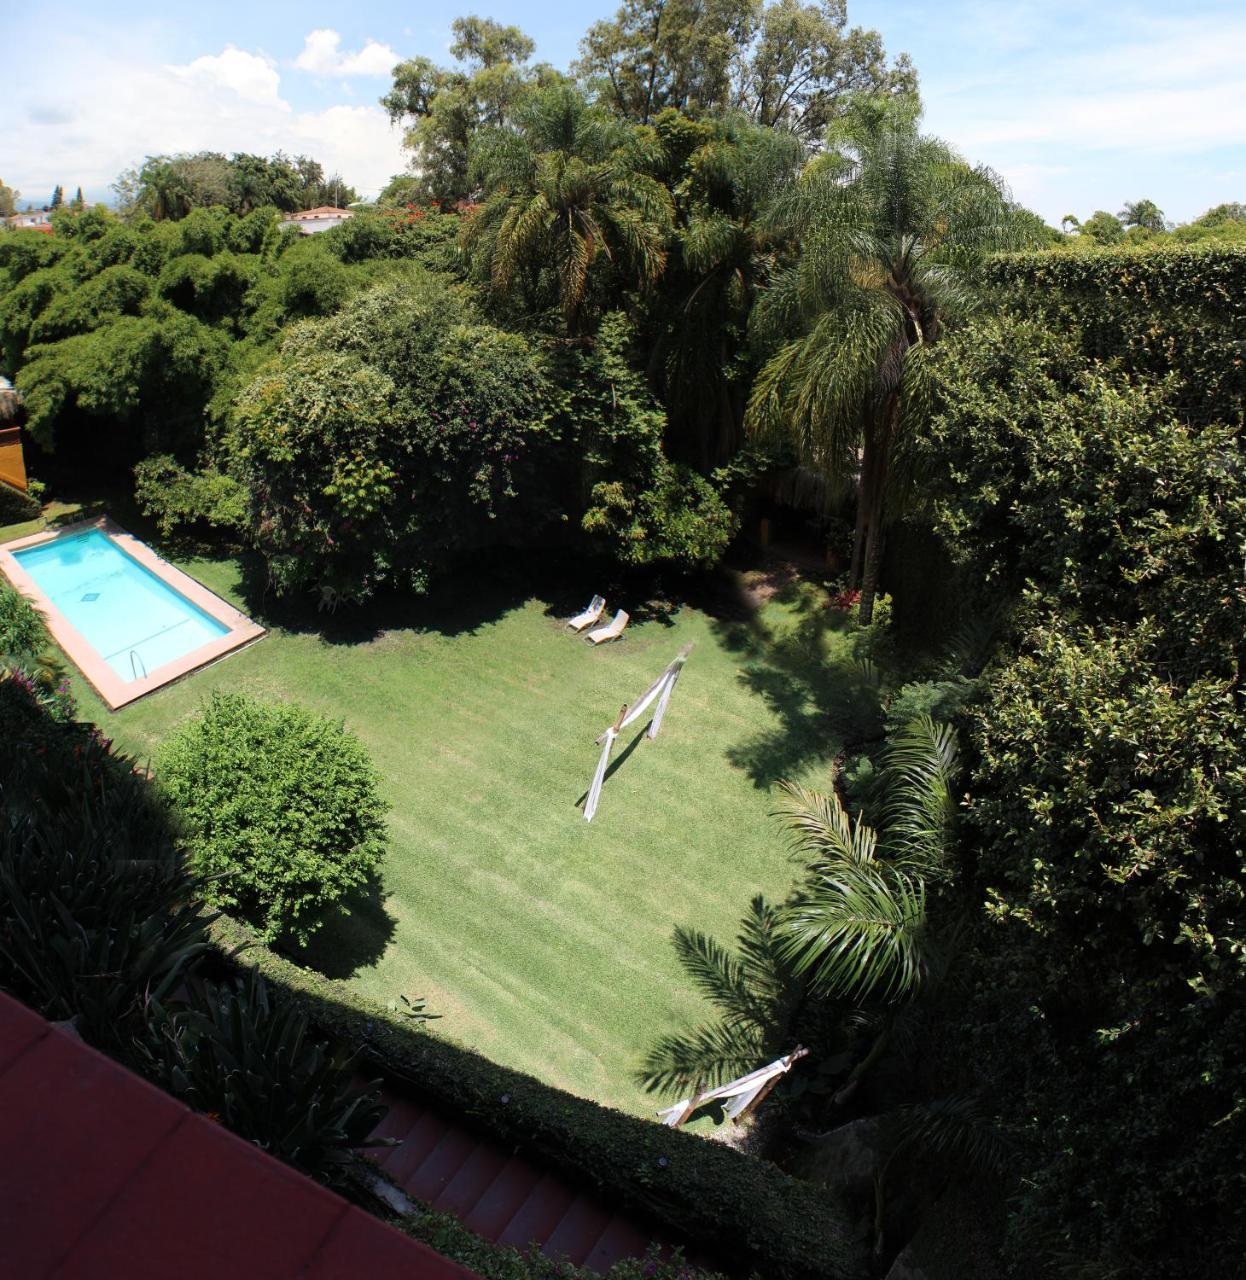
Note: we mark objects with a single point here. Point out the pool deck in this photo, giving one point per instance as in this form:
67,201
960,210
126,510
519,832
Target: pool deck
115,691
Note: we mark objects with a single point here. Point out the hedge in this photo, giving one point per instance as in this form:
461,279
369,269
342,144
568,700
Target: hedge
1170,311
15,505
715,1198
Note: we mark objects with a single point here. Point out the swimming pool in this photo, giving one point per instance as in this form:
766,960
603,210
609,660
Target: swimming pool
128,619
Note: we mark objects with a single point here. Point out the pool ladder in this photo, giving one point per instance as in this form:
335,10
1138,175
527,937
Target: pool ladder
137,663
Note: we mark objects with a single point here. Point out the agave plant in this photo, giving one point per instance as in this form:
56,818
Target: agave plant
255,1063
97,913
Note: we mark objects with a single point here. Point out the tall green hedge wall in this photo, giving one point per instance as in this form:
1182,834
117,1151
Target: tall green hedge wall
1175,313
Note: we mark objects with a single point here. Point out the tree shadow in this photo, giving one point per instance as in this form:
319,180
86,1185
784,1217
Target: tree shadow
823,703
346,943
479,592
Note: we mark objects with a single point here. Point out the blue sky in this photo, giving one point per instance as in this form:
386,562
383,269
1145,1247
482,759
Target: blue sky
1079,108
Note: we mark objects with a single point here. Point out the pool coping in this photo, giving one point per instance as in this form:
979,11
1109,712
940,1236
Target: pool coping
100,676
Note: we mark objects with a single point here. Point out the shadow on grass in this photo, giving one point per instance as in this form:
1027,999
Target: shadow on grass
617,762
344,944
824,700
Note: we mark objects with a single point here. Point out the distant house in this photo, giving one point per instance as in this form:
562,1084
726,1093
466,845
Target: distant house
310,221
32,219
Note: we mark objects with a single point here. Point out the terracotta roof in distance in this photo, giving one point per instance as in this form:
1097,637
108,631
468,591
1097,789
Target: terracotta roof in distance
103,1175
324,211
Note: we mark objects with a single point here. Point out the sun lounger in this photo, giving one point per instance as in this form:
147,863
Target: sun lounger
612,632
589,616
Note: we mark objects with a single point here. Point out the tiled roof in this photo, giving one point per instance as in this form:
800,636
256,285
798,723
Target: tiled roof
324,211
103,1175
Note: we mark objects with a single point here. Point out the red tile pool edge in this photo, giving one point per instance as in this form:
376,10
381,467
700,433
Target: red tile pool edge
115,691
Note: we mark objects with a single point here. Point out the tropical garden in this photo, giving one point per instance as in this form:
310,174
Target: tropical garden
950,505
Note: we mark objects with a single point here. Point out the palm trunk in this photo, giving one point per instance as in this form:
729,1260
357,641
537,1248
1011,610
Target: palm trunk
874,488
858,535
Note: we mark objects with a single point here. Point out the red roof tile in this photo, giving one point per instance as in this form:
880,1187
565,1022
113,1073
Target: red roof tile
103,1175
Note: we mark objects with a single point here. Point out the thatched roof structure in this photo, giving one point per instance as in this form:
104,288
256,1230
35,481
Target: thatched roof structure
10,404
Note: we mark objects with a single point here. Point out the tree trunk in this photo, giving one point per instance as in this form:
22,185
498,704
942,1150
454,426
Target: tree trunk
874,488
858,535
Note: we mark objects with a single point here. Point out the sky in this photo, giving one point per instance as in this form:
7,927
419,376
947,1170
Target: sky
1077,107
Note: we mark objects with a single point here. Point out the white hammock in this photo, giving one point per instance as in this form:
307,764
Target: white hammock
742,1094
660,690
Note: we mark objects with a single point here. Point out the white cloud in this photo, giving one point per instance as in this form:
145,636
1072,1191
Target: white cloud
251,76
117,109
321,54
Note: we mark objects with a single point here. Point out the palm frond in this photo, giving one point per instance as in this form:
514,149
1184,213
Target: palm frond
919,770
702,1058
857,929
820,828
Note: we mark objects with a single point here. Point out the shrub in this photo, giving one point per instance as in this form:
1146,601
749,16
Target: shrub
231,1051
28,657
279,803
387,439
175,497
15,505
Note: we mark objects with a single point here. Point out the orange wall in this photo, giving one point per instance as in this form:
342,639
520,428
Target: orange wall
12,464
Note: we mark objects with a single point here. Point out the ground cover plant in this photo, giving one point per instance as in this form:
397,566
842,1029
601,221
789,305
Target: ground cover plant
541,939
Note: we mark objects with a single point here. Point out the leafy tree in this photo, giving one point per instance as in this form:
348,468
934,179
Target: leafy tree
8,200
784,64
889,222
641,508
1100,228
1234,211
566,191
1098,862
442,108
58,197
388,438
281,807
78,202
803,63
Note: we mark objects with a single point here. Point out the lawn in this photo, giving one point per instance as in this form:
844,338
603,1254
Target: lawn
542,940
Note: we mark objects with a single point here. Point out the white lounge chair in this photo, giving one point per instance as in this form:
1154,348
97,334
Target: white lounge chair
589,616
612,632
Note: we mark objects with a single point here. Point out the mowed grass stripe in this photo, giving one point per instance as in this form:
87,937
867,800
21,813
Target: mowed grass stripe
543,940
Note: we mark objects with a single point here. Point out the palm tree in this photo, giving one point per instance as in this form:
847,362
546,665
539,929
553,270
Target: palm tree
857,925
723,256
566,189
890,222
756,994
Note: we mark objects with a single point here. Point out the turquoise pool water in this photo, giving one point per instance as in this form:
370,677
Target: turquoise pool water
132,619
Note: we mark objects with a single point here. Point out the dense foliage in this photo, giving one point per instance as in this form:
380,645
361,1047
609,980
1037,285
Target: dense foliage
717,1198
97,913
254,1063
127,338
1167,312
279,810
1101,863
28,657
